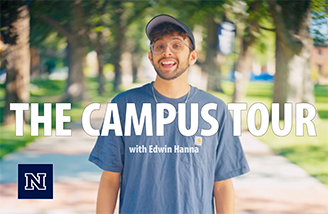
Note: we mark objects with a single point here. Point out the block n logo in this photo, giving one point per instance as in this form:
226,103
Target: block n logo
35,181
39,182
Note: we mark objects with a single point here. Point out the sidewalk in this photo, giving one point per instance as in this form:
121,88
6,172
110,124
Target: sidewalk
274,185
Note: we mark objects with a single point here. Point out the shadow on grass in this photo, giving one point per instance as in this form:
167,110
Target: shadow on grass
42,88
323,114
321,90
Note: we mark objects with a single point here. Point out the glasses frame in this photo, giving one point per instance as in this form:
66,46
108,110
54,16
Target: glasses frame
152,47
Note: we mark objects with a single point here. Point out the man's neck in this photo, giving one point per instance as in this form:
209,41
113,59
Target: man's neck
171,88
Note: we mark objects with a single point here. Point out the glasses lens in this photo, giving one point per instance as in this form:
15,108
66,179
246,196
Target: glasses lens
175,46
158,47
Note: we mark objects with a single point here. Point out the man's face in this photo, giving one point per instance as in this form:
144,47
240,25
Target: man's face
170,65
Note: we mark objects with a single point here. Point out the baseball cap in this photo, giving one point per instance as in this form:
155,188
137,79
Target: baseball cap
166,18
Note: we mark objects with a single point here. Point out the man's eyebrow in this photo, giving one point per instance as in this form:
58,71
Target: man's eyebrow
174,38
155,40
177,38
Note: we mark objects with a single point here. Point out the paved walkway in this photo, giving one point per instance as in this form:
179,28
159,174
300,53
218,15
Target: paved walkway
274,185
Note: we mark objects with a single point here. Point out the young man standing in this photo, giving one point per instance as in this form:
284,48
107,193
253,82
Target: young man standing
185,174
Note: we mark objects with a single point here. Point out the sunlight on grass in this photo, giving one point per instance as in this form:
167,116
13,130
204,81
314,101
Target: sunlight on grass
2,93
310,153
10,142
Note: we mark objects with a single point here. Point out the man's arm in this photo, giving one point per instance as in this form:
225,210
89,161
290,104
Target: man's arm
224,196
107,192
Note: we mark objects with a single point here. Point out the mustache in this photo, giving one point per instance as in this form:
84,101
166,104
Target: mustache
168,58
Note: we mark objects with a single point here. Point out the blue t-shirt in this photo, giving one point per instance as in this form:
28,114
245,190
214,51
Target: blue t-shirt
168,181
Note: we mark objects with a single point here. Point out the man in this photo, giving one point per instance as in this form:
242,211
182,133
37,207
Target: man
173,180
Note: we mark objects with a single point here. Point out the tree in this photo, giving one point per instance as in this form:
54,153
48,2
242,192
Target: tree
248,38
15,22
118,33
98,41
212,14
98,34
136,46
69,23
124,14
211,65
319,21
293,45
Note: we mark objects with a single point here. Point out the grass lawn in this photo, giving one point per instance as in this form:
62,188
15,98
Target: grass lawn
9,142
47,91
310,153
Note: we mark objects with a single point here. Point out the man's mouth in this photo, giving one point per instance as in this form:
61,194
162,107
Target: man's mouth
168,63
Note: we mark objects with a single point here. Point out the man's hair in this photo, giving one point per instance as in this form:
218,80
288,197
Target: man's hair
167,28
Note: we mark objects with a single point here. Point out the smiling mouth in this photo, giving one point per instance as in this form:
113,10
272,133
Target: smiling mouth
168,63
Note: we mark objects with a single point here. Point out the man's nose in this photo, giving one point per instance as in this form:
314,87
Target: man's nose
167,50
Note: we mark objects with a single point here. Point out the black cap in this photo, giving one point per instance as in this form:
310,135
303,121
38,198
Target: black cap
166,18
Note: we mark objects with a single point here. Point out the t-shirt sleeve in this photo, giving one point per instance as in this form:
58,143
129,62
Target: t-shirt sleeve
230,157
108,152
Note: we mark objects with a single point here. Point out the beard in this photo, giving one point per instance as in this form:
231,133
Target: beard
179,70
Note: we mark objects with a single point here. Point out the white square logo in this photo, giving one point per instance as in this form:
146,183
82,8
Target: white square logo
198,141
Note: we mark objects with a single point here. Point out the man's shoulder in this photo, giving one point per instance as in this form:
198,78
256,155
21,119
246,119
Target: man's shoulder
137,93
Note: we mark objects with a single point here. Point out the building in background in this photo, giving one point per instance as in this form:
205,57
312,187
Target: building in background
319,63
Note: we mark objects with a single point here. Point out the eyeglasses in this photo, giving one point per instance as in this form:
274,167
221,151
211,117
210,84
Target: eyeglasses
176,46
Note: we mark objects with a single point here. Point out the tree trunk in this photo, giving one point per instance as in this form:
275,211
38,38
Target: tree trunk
17,62
136,61
98,42
118,33
307,41
134,70
211,66
293,77
75,35
280,89
243,66
75,88
244,63
101,76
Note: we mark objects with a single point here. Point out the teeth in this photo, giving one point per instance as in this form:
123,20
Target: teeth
167,62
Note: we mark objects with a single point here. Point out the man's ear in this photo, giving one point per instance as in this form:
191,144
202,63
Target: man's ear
150,57
193,57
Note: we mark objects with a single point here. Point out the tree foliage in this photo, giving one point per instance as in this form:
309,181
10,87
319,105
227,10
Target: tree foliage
15,25
319,29
114,27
